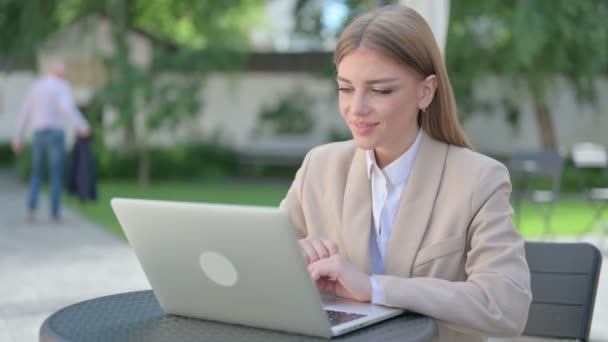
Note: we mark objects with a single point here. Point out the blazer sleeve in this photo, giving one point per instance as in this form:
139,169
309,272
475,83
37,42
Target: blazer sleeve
495,297
292,202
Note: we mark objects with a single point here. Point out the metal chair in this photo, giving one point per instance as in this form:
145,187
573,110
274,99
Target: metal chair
564,278
589,158
536,176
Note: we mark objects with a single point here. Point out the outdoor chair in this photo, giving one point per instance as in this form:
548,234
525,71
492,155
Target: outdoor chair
564,278
536,176
592,160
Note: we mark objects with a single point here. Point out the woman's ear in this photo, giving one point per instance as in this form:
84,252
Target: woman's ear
428,87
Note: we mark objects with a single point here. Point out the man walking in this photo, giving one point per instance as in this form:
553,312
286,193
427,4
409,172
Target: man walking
48,105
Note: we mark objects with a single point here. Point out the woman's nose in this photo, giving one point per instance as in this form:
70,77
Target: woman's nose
359,105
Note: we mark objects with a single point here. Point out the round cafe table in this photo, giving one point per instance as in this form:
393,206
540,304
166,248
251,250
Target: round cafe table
137,316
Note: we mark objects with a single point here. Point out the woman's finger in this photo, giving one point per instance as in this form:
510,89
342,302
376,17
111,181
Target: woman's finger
331,247
309,253
320,249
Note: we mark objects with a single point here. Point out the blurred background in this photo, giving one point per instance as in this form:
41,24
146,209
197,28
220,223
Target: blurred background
219,101
197,92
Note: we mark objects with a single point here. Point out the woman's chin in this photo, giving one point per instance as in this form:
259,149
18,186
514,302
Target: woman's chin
364,143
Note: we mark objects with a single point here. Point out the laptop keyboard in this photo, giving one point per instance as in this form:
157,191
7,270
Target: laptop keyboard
339,317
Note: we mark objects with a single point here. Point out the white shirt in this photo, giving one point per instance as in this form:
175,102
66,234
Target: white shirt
388,186
48,105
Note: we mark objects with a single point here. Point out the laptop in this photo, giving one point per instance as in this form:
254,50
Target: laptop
235,264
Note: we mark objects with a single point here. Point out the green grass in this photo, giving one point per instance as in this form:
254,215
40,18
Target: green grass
570,216
195,191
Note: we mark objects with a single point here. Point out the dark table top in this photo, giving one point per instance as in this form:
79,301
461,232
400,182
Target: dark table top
136,316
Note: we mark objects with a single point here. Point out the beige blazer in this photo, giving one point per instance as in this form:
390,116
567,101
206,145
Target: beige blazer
453,254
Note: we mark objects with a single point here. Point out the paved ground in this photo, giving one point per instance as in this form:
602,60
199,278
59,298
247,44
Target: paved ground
45,266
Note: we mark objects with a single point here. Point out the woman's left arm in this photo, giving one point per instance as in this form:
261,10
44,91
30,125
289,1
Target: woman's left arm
495,297
292,203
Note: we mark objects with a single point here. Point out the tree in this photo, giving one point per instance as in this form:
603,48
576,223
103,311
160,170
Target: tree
190,38
166,93
19,38
531,42
163,96
25,25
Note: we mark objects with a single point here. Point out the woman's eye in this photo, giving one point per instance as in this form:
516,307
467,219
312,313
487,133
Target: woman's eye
382,91
344,90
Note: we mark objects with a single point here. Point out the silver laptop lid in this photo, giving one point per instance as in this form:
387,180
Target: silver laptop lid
235,264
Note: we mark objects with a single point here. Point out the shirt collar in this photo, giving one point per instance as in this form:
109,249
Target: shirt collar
399,170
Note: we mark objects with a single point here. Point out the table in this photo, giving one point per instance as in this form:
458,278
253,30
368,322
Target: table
137,316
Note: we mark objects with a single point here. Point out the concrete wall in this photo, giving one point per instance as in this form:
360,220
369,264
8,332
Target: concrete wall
232,104
13,87
573,122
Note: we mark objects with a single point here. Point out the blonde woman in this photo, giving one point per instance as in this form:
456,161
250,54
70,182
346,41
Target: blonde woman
407,214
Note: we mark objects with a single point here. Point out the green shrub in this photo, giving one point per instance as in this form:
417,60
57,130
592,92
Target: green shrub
214,161
193,161
7,157
178,162
291,115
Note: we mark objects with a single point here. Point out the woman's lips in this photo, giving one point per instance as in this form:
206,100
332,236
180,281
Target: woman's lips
363,128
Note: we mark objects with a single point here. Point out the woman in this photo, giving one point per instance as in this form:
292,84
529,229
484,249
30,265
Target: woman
406,214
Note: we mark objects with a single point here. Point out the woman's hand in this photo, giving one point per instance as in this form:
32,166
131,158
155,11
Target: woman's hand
337,275
316,249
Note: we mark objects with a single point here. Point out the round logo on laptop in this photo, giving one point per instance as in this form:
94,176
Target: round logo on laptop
218,268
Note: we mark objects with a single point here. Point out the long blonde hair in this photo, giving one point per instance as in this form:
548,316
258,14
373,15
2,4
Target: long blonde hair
401,34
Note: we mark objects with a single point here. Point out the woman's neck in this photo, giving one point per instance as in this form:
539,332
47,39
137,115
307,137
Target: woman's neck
386,155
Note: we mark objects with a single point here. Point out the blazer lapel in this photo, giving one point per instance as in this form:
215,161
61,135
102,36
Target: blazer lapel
357,213
416,207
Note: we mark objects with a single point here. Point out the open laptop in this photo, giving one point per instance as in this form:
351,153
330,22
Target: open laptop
234,264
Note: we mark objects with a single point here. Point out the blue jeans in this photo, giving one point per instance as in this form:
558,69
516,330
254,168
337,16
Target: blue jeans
49,143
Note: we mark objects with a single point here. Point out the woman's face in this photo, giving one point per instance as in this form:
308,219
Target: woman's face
379,100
